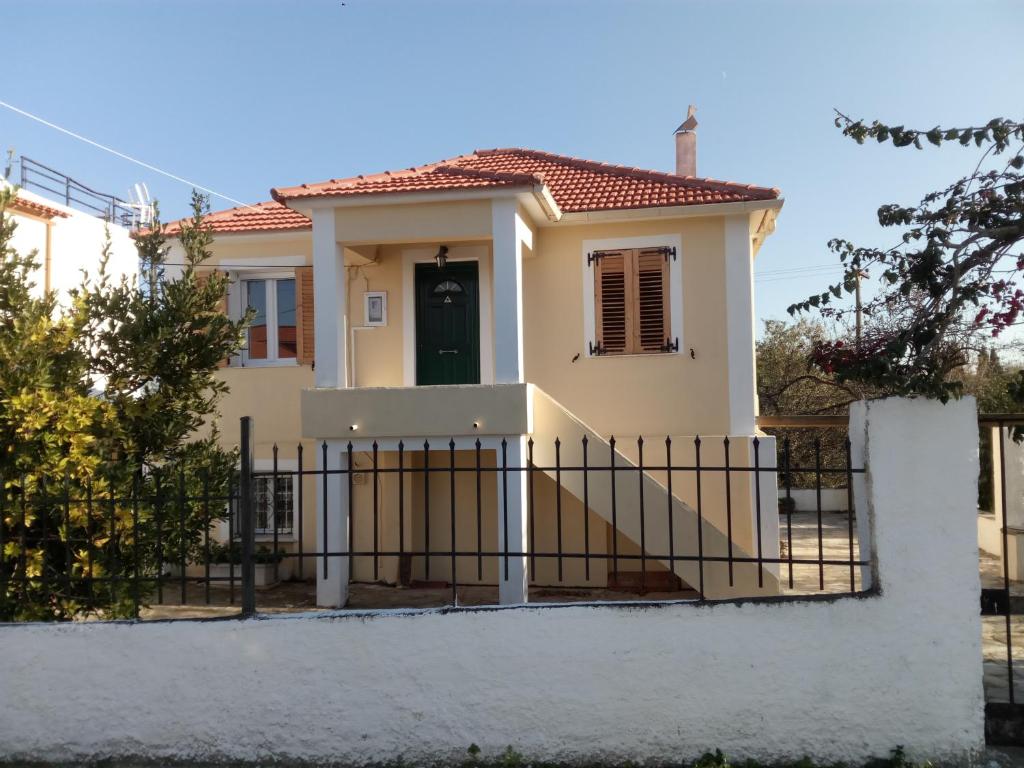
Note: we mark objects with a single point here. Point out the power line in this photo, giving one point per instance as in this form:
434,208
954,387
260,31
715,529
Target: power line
123,156
784,270
795,276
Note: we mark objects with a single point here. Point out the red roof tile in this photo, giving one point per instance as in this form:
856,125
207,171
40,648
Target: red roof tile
259,217
25,205
576,185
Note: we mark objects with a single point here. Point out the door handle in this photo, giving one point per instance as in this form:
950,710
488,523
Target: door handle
447,351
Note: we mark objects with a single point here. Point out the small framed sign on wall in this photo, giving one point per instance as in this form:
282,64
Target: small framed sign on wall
375,308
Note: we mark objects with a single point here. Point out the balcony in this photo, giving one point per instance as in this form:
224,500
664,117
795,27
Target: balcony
404,412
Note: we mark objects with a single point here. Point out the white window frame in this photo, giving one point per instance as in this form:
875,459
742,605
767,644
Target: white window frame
285,468
245,276
675,289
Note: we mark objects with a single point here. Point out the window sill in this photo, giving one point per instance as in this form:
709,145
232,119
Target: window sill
267,364
282,538
631,355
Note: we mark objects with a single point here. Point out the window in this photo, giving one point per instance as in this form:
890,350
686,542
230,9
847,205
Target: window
274,507
272,335
631,301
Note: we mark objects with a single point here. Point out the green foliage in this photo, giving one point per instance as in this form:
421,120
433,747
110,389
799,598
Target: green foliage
789,384
232,553
952,278
157,349
712,760
102,410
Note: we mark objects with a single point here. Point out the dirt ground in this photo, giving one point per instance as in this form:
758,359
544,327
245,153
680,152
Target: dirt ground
300,596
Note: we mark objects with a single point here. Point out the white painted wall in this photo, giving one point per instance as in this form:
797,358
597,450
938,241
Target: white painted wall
603,683
76,245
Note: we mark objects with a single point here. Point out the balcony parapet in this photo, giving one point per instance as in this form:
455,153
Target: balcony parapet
403,412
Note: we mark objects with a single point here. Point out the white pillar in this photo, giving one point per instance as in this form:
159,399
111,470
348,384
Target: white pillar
332,582
739,306
509,233
512,572
330,297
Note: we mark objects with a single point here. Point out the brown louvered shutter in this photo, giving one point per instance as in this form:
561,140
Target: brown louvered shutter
612,287
222,305
651,299
304,311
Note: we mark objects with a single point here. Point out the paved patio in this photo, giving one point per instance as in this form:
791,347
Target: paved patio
835,545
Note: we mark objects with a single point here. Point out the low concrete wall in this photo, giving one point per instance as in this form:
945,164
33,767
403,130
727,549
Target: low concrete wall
638,682
806,499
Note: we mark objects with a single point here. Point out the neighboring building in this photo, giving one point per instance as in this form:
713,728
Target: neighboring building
67,239
507,294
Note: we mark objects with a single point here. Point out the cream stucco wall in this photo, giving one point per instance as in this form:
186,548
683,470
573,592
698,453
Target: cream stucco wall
628,395
676,393
425,222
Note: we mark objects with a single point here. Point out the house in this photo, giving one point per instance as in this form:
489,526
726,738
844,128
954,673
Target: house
67,242
511,297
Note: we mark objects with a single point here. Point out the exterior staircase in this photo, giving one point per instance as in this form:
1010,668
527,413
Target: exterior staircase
683,532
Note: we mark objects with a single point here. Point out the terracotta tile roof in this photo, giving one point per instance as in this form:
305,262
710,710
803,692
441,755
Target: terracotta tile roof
576,185
25,205
259,217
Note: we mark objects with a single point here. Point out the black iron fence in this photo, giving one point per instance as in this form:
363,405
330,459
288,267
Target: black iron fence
1001,594
41,178
695,518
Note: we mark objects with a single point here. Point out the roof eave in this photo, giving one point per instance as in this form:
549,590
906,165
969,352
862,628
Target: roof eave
672,211
308,203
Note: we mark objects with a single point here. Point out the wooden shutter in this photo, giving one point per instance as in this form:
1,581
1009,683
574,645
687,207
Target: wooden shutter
304,312
651,299
222,306
612,288
631,301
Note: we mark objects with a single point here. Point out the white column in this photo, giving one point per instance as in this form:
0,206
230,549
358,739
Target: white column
332,583
739,306
512,573
858,460
330,298
330,295
509,233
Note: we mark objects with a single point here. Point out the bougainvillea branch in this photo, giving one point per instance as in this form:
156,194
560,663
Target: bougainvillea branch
954,274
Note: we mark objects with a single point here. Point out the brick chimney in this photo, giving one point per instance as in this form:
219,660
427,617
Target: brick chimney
686,145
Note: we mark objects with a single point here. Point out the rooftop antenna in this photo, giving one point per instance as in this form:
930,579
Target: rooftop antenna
141,205
10,163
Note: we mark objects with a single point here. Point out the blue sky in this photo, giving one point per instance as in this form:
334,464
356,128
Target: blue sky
243,95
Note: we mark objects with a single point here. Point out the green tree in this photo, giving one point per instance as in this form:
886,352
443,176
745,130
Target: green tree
790,384
103,404
952,278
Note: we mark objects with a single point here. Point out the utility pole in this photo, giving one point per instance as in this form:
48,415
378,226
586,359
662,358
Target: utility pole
860,273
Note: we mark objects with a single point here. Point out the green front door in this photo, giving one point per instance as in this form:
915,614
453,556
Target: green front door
448,324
